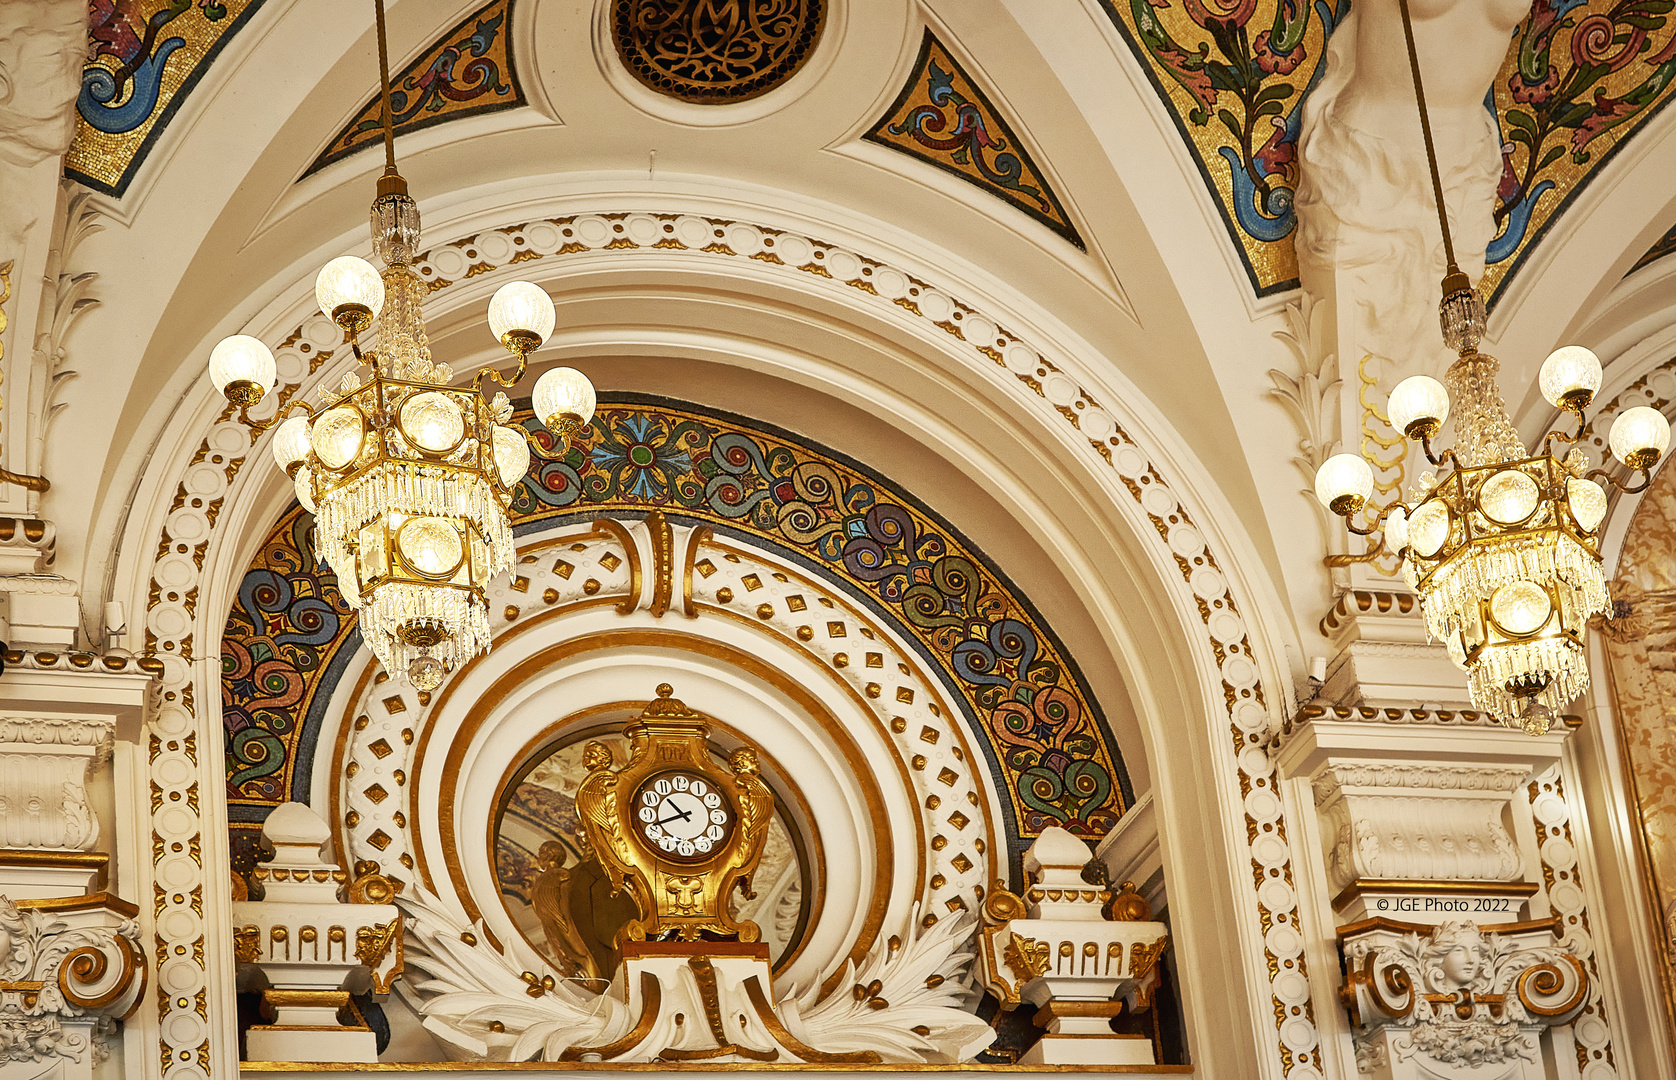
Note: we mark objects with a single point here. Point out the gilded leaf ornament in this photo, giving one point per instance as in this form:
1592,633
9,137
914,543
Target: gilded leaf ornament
1027,957
943,117
468,71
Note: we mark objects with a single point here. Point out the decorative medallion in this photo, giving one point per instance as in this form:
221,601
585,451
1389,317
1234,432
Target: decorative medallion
468,71
1045,740
715,52
943,117
1582,77
144,58
1233,78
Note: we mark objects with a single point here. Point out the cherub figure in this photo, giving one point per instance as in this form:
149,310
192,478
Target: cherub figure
756,807
550,896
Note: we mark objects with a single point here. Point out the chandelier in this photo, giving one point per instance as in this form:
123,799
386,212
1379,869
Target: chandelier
408,475
1502,545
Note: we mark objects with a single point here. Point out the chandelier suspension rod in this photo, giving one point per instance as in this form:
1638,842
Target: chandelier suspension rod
1425,129
389,113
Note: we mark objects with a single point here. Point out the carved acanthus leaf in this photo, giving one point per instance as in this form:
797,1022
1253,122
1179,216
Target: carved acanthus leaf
920,983
461,984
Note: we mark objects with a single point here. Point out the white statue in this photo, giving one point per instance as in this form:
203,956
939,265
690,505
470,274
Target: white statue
1367,220
43,46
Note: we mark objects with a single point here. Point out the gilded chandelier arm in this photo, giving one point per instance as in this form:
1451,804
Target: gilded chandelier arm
1375,548
259,426
541,452
1447,457
492,373
1556,435
1646,479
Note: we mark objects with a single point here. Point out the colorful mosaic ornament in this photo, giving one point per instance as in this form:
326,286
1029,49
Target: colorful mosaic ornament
943,117
144,58
287,637
1046,742
715,52
1583,76
1233,78
468,71
1664,245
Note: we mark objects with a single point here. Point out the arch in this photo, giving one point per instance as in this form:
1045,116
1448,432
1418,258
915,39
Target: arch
1197,657
1040,729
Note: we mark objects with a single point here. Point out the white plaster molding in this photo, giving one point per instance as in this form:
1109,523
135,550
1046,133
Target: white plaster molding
460,983
291,933
1366,213
944,810
65,977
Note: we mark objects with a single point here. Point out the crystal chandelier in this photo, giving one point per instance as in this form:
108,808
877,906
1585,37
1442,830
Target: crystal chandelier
409,476
1503,548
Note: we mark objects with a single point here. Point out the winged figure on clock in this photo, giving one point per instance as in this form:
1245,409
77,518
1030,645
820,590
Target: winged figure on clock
675,830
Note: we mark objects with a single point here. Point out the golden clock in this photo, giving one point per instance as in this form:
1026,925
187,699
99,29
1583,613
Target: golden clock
674,829
683,815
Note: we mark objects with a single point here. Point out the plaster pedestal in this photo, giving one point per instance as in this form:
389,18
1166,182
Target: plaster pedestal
312,948
1074,951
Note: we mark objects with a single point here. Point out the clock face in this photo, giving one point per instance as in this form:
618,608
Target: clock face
683,815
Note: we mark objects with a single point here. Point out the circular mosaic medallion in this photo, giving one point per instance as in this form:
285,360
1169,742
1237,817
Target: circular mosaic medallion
715,52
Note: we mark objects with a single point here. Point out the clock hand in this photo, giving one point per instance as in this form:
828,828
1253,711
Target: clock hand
684,815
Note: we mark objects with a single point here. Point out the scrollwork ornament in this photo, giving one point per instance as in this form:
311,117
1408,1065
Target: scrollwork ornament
1458,995
715,53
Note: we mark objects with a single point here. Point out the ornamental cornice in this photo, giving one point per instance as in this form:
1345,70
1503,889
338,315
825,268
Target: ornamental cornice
56,731
1501,781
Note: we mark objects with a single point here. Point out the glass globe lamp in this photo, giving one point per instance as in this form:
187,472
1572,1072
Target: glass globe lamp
1570,377
1418,407
291,445
1344,483
242,369
564,401
1639,437
521,316
350,291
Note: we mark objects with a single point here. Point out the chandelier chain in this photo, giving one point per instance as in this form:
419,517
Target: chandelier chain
1425,130
389,113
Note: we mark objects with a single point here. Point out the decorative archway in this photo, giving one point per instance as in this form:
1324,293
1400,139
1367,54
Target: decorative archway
1213,662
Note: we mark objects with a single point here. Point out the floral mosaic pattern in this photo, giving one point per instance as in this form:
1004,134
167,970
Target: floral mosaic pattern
1048,744
944,118
467,72
288,625
143,59
1234,75
1581,78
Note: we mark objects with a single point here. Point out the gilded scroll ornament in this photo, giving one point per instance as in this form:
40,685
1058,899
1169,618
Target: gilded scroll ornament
715,52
